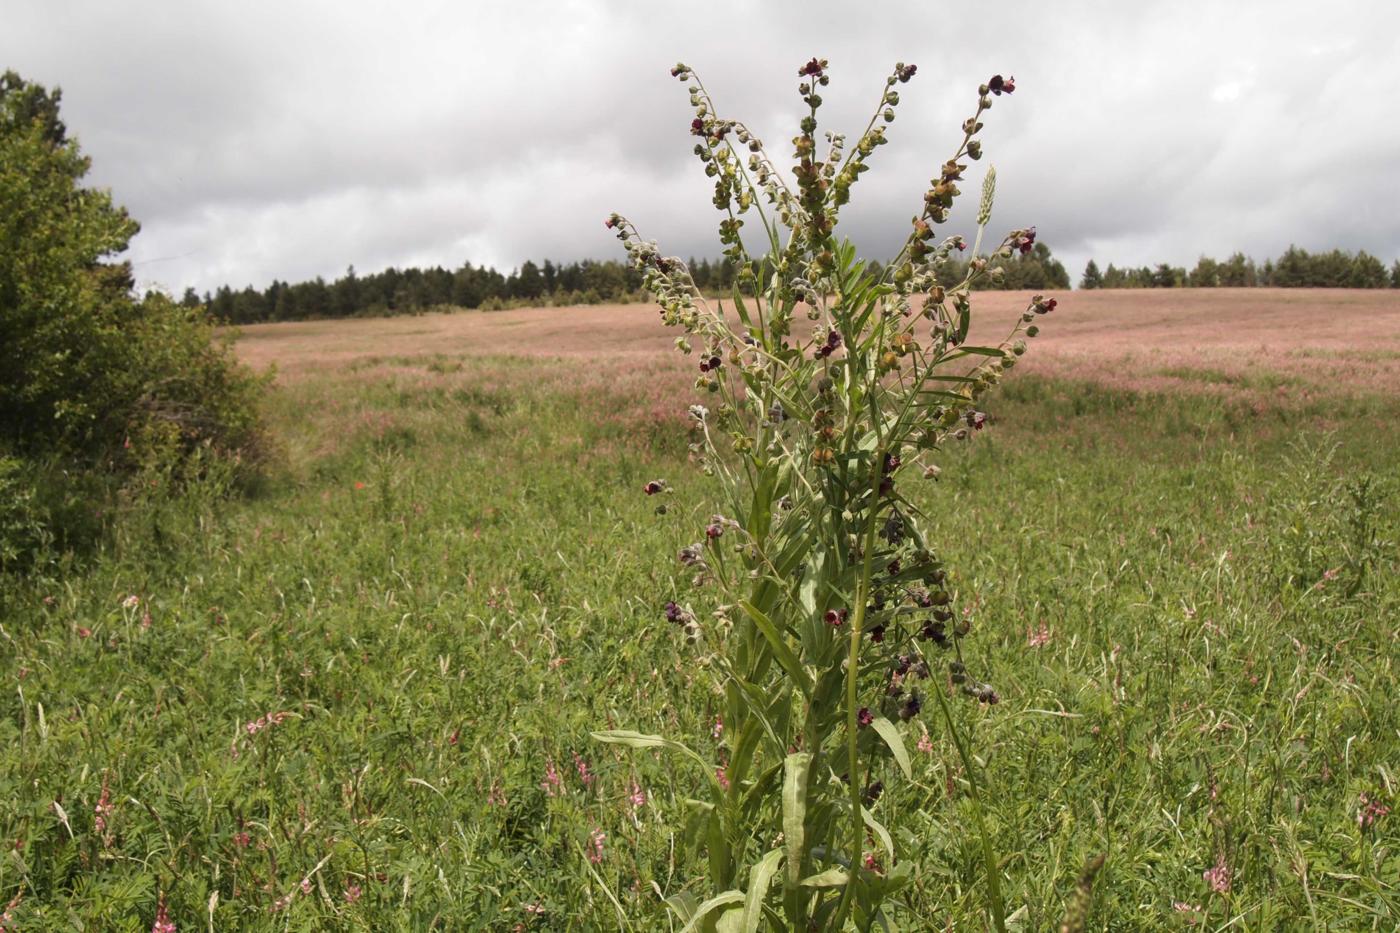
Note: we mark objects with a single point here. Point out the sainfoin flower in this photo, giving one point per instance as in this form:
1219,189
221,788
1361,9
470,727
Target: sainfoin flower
163,922
1218,876
102,810
1039,637
553,784
584,775
595,846
1371,810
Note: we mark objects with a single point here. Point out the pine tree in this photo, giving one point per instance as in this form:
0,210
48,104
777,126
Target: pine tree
1092,277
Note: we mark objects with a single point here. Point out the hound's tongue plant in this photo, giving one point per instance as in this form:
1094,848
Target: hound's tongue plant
835,619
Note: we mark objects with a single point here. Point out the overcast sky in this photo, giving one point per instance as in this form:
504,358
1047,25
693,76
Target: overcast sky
260,140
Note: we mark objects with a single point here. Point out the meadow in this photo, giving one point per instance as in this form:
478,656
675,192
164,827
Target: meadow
360,696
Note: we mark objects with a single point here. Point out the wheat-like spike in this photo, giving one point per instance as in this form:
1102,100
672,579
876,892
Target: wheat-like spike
989,190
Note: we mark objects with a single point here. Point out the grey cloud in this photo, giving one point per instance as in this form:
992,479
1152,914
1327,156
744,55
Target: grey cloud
259,140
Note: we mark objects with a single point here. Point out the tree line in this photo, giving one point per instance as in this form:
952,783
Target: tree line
1296,268
412,290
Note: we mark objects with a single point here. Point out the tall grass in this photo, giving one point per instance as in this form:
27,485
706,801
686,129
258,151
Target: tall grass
451,586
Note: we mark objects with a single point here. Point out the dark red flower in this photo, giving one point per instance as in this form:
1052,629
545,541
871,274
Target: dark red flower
1026,241
911,707
877,633
836,617
697,127
999,85
905,72
714,531
864,717
813,68
975,419
610,222
653,487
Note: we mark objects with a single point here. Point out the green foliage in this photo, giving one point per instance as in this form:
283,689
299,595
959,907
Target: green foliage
1092,277
414,291
92,380
1184,699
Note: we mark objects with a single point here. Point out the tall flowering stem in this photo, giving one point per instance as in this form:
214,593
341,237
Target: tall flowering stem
830,610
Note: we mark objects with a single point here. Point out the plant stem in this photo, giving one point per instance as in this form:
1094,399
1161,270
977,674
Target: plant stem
994,899
852,698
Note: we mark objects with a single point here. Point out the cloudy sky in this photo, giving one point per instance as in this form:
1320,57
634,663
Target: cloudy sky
260,140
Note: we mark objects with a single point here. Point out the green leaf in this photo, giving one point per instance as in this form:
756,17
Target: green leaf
639,740
892,738
878,829
781,650
741,307
719,900
683,904
831,878
796,768
980,351
760,877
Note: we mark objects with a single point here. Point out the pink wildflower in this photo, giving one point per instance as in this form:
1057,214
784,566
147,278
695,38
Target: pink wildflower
638,797
722,777
535,909
242,839
595,846
8,917
584,775
306,886
1219,876
131,602
1039,637
352,893
282,903
1371,810
718,729
553,784
1182,907
163,922
496,797
925,743
103,809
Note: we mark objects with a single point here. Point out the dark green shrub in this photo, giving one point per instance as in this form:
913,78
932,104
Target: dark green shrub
94,382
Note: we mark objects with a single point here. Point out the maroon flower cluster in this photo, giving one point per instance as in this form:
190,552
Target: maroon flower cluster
833,343
1026,240
814,68
999,85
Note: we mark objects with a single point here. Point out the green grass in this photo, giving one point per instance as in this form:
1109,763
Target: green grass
454,581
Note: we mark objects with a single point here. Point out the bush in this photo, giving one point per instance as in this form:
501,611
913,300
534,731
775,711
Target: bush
93,380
